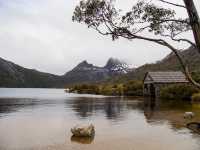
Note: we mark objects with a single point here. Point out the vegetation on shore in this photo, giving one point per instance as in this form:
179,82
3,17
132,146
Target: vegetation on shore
131,88
122,87
196,97
180,92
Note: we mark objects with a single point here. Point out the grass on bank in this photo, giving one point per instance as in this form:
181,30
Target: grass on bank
180,92
131,88
196,97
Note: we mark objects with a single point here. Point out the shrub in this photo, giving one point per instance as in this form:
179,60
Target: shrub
196,76
133,88
196,97
107,90
180,92
85,89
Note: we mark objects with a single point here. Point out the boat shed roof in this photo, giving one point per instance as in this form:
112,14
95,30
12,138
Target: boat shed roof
165,77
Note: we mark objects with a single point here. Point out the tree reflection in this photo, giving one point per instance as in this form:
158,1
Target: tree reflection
82,106
114,108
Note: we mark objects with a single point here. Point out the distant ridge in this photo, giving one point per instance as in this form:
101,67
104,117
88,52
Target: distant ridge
88,73
13,75
169,63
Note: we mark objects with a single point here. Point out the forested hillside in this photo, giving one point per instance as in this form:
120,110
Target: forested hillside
170,62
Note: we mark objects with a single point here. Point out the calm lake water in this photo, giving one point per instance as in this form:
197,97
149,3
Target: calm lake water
40,119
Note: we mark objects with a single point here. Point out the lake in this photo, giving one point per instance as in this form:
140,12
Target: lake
41,119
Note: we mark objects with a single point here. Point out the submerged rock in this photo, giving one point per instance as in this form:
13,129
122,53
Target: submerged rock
194,126
87,131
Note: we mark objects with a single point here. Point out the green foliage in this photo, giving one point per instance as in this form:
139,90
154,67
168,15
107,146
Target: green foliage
107,90
196,76
179,92
85,89
144,16
196,97
131,88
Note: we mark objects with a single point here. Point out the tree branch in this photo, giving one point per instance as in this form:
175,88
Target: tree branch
180,40
166,44
104,18
164,1
186,40
176,52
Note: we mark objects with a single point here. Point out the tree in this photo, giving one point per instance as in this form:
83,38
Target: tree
194,21
145,16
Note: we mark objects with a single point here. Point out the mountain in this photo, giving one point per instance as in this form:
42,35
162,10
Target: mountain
169,63
12,75
117,66
88,73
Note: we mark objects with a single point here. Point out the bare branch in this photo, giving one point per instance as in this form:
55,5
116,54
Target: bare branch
102,33
178,5
180,40
177,54
174,20
162,42
186,40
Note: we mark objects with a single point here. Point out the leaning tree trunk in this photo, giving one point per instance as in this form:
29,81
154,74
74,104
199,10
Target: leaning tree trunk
194,20
183,65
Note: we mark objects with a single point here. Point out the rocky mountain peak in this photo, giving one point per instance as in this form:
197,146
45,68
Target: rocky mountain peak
112,62
117,65
84,64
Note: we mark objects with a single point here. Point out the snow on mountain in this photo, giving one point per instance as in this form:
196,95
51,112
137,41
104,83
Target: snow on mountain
117,66
85,72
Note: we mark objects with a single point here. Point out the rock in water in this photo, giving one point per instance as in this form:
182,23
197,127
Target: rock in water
194,126
188,115
87,131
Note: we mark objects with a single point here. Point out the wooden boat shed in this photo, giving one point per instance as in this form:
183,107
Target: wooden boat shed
153,81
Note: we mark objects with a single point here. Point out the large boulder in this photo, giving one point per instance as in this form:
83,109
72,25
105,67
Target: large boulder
83,131
188,115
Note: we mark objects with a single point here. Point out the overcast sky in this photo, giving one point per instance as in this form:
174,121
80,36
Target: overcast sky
39,34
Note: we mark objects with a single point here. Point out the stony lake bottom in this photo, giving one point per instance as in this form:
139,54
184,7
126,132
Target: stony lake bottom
41,119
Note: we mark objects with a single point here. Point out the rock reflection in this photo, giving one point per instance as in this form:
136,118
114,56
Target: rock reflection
82,140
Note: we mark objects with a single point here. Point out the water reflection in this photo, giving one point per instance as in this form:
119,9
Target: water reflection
149,108
27,121
114,108
117,108
82,140
170,111
11,105
8,105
